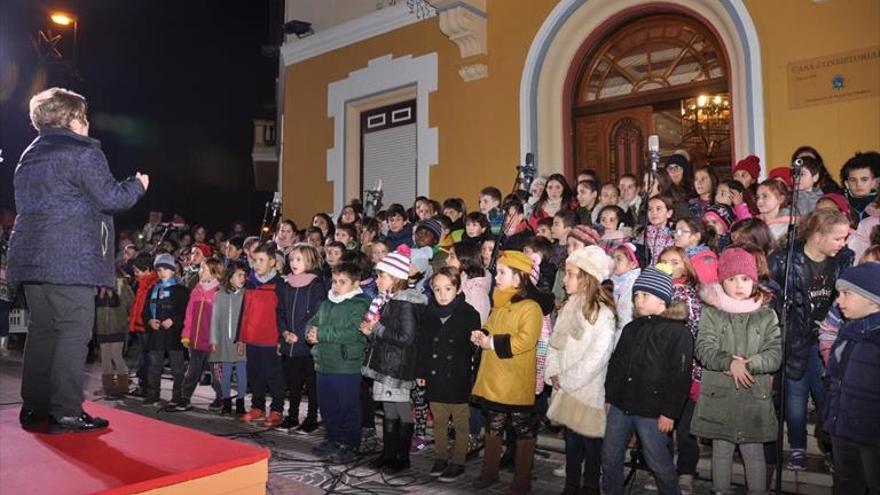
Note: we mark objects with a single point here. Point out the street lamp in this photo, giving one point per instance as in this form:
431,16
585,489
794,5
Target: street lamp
63,19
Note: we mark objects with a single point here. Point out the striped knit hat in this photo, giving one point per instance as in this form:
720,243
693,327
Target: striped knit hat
585,234
655,280
397,263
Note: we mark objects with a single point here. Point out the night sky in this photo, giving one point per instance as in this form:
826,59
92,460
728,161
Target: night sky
172,86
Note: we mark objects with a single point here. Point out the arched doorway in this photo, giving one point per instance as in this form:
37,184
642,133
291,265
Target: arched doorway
664,74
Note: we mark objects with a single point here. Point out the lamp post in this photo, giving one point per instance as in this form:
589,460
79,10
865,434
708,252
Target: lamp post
65,20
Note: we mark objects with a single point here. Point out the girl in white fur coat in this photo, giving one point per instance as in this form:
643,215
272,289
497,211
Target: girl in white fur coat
580,348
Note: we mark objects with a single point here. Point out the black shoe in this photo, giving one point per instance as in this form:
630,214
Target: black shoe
402,444
83,423
31,420
152,403
307,426
180,406
289,423
438,467
452,473
138,392
390,432
216,405
227,407
239,407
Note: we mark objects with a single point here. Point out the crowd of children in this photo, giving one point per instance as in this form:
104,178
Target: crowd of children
598,308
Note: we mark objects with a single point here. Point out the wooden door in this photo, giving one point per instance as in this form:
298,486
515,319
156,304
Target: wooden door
613,143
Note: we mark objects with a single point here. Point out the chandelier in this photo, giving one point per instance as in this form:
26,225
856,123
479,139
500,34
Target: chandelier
705,122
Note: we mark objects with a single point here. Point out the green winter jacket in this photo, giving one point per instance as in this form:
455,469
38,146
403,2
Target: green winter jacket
340,347
722,411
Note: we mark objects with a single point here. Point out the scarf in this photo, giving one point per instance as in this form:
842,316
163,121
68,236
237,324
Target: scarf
441,312
551,207
209,285
157,291
375,311
571,322
695,250
269,276
624,281
301,280
502,297
344,297
714,295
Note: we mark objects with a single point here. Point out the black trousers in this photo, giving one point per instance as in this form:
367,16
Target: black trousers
687,444
265,375
368,407
157,362
198,363
856,468
59,330
583,458
299,371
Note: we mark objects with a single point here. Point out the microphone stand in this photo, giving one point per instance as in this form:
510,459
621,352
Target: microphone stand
525,174
797,167
655,159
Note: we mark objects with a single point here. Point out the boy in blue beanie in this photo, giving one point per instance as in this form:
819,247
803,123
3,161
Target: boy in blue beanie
852,384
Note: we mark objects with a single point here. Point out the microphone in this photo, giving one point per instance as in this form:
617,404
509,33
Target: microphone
527,172
654,151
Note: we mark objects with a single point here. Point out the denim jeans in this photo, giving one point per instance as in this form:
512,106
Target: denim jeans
655,448
583,459
796,394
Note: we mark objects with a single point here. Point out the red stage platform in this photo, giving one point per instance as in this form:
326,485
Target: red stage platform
135,455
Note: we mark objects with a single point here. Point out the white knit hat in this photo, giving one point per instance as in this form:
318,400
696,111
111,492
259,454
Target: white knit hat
397,263
593,260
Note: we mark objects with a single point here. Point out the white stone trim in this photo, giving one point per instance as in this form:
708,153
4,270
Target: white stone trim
364,27
553,49
381,75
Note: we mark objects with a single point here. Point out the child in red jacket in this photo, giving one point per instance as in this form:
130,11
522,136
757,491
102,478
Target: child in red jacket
258,331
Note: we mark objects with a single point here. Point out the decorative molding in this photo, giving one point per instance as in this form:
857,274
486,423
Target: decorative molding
571,21
381,75
379,22
473,72
464,23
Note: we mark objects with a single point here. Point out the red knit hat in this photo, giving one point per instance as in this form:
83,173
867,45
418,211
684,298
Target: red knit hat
783,174
737,261
206,250
751,164
839,200
585,234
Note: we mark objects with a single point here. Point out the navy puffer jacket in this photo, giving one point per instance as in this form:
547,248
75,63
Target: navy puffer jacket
65,196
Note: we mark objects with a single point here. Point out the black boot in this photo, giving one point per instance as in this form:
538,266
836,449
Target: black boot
389,444
239,407
227,407
401,457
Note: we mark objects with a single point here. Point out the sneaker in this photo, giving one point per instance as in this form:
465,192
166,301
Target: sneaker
273,420
797,460
325,448
289,423
417,444
151,403
439,467
452,473
308,426
559,472
216,405
178,407
686,484
252,415
650,485
343,455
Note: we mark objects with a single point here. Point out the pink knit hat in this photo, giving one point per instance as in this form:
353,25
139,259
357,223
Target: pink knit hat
585,234
737,261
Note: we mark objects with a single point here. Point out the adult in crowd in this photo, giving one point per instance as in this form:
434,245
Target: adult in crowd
61,249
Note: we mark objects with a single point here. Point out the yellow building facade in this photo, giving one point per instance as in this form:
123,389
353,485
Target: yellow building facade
492,80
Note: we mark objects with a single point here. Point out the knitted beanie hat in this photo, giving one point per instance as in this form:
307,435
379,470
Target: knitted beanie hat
839,200
783,174
863,279
751,164
635,252
721,212
585,234
737,261
593,260
655,280
164,260
680,160
397,263
207,250
517,260
433,226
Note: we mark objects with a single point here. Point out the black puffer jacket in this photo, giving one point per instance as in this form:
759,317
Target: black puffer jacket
391,358
649,373
799,334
